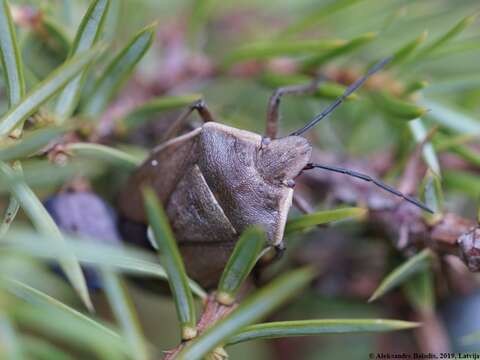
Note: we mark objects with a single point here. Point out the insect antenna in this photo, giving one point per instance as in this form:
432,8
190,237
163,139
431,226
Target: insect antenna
368,178
377,67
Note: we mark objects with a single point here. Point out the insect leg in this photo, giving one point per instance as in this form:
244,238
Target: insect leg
200,106
302,204
279,251
274,104
368,178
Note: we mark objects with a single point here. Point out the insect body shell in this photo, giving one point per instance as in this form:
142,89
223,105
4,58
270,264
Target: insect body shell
214,182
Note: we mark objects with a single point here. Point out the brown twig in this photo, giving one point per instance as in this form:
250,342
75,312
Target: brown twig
212,313
400,221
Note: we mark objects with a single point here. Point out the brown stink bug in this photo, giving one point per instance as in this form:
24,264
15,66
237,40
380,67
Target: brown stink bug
217,180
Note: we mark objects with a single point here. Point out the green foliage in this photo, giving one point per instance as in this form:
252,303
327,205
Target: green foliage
432,193
44,91
451,118
326,89
419,132
46,226
454,31
462,182
346,48
406,50
241,262
37,297
13,349
200,13
257,306
315,17
308,221
87,34
36,310
281,329
398,108
104,153
10,55
413,265
45,48
420,291
269,49
122,259
125,314
43,174
15,84
178,279
150,109
118,71
30,144
42,349
13,205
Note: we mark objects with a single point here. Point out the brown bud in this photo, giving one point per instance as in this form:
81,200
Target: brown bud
470,248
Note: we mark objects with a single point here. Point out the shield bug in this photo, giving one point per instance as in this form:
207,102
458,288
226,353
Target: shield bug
217,180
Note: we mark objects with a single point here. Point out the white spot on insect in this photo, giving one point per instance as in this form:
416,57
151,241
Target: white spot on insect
151,238
154,162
